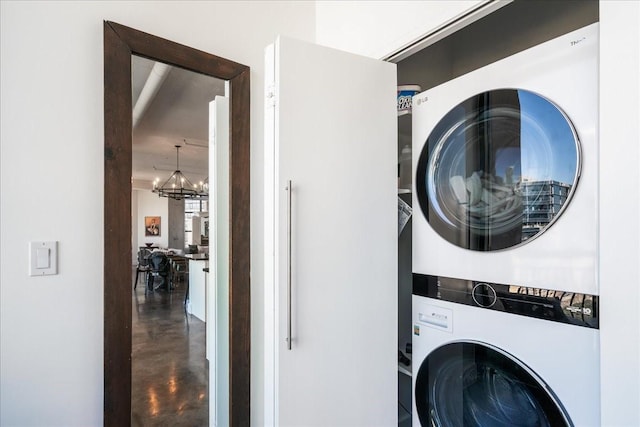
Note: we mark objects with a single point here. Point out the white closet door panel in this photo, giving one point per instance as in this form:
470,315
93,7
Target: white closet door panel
218,285
332,132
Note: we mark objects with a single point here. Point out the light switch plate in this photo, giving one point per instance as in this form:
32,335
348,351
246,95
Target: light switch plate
43,258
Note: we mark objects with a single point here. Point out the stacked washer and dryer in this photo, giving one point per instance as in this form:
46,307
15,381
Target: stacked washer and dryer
505,294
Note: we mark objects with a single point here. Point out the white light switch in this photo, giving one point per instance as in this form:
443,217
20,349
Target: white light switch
43,258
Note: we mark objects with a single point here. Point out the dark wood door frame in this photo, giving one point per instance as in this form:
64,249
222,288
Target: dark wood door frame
120,43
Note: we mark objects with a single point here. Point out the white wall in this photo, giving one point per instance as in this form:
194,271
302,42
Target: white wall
620,212
134,227
378,28
149,204
51,81
356,27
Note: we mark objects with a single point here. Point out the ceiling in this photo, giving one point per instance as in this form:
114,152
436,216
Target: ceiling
175,113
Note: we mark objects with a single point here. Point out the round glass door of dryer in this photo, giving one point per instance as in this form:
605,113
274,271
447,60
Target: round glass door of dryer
474,385
498,170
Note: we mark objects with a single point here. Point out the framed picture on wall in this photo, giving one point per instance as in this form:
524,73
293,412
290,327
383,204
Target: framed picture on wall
152,226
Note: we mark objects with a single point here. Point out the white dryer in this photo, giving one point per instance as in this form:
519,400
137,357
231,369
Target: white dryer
505,169
487,354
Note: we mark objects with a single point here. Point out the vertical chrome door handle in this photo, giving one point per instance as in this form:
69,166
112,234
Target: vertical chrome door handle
289,221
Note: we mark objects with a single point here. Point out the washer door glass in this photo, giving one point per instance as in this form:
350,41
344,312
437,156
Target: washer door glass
471,384
498,170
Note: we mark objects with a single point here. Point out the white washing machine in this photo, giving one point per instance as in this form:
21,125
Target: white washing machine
505,169
487,354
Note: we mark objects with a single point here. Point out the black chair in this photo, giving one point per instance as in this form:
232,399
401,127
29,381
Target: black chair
143,265
160,267
179,268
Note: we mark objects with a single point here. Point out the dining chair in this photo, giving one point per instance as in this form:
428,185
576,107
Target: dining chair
160,267
143,265
179,268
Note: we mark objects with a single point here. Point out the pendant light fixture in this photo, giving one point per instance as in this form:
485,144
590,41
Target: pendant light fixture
178,187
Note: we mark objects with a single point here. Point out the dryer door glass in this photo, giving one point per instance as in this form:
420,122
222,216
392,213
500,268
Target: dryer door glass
498,169
471,384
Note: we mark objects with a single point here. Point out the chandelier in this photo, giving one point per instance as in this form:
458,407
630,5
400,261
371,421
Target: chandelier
178,187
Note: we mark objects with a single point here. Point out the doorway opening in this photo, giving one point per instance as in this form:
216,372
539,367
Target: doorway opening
171,186
120,43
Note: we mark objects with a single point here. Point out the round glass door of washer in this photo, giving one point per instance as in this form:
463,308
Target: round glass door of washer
498,170
476,385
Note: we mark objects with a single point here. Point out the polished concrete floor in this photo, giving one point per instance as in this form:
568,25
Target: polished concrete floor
169,368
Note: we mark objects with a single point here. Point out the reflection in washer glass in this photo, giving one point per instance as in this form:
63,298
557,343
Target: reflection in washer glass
498,169
476,385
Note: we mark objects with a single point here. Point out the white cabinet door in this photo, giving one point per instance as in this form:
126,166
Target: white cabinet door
330,128
218,286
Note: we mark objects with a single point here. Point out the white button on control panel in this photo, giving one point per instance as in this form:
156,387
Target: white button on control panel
43,258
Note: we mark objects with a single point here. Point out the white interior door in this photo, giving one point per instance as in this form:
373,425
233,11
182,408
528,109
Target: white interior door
331,282
217,332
